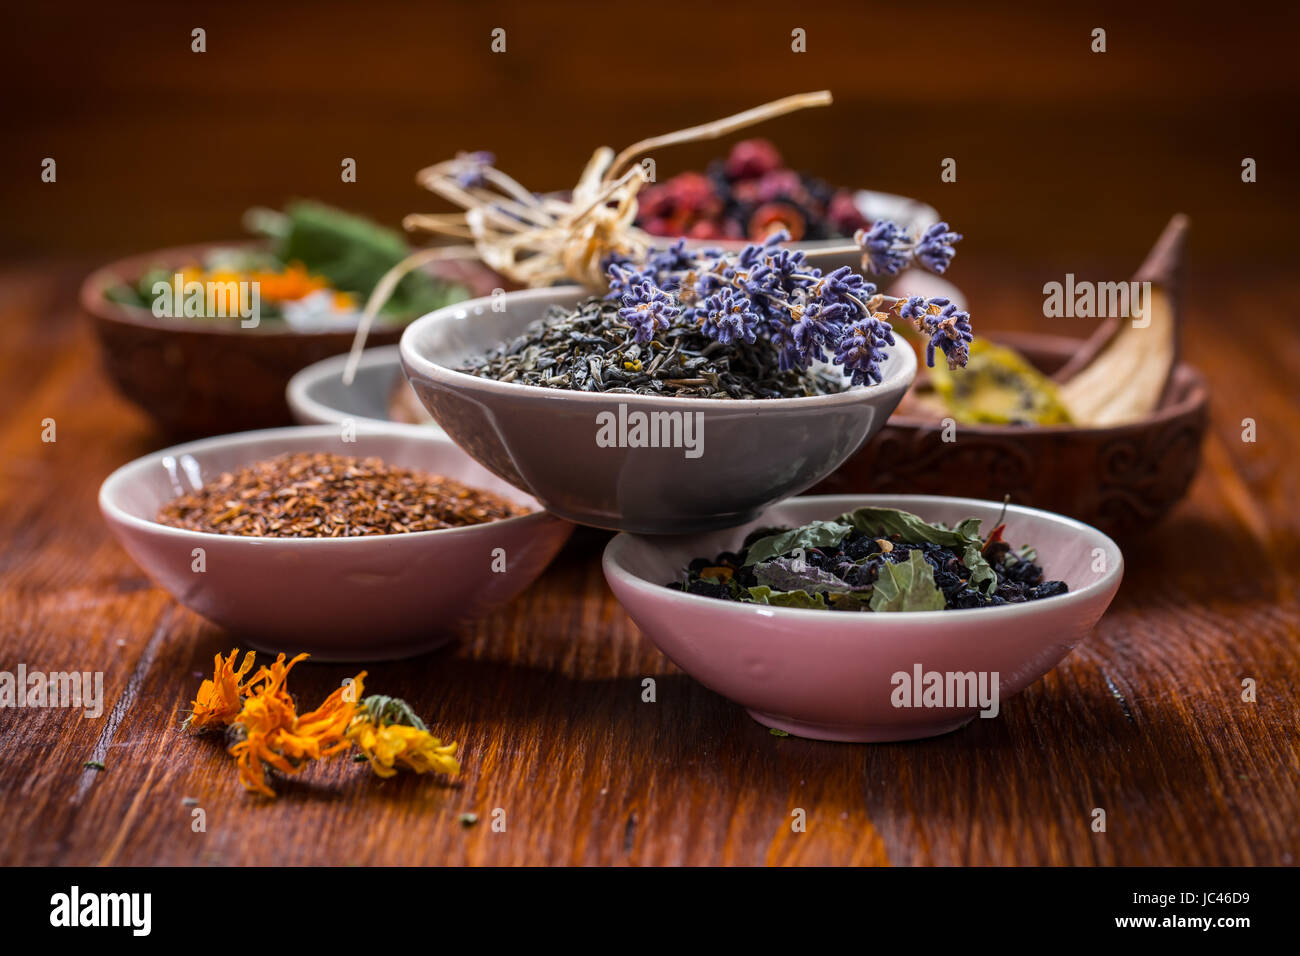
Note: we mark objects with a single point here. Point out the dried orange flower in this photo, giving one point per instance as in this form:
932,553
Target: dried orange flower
268,731
274,735
219,700
389,746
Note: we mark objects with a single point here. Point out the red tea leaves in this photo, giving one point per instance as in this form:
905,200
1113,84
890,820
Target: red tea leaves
306,495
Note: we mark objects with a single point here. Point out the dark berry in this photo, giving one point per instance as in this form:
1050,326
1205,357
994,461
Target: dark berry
1047,589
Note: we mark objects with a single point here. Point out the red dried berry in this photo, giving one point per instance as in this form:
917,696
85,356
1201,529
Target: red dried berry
705,229
772,216
693,191
781,184
658,227
844,215
655,202
751,158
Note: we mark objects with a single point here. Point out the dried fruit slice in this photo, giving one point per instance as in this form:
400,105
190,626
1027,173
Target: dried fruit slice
1127,378
998,387
1124,370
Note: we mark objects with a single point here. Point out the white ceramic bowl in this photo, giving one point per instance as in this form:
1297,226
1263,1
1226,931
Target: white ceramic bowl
317,395
357,599
753,452
830,675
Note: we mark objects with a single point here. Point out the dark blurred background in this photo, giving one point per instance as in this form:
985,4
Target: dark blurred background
1063,155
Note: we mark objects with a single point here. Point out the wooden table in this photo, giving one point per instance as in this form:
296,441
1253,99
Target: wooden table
1146,720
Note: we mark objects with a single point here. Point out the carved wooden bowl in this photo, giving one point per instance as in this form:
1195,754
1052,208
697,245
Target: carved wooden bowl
197,377
1121,479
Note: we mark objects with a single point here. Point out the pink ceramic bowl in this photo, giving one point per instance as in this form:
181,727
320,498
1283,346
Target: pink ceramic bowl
341,599
831,675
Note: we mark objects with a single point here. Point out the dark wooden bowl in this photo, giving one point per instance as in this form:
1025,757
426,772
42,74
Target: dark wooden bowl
1121,479
198,377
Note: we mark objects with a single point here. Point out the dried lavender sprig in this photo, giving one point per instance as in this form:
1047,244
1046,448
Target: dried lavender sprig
887,249
772,291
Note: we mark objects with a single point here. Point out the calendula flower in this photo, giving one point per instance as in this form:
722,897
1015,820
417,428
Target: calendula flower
266,730
390,746
220,700
272,734
390,735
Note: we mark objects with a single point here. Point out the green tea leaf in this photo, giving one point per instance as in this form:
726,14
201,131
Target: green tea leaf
907,586
818,534
765,595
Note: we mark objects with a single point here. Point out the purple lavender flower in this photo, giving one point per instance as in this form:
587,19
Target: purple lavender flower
844,285
862,349
934,249
915,307
754,253
949,331
885,246
773,293
676,258
647,310
810,334
623,276
728,317
471,166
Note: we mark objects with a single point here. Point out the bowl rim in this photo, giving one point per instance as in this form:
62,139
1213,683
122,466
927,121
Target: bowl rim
114,513
624,542
1195,398
297,392
901,368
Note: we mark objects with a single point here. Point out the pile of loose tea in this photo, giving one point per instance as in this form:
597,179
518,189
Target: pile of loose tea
317,495
873,559
590,349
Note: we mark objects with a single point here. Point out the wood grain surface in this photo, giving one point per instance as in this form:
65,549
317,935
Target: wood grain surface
1145,720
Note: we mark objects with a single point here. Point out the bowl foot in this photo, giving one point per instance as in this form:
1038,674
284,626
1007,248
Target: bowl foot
860,734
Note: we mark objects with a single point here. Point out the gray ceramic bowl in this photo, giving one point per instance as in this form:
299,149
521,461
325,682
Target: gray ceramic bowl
544,440
356,599
317,395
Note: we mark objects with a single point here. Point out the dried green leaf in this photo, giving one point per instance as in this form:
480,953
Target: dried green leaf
818,534
907,586
765,595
